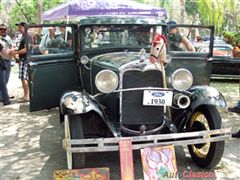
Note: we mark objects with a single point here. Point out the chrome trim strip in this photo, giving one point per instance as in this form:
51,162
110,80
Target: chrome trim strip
138,142
136,89
143,88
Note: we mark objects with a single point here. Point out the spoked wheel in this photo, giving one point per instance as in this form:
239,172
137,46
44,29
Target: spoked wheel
74,130
206,155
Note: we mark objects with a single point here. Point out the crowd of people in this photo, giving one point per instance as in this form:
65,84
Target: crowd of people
42,44
7,53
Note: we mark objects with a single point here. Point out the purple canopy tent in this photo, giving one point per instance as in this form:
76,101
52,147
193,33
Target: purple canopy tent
77,8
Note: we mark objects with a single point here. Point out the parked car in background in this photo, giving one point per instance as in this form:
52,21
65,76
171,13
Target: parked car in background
109,89
224,65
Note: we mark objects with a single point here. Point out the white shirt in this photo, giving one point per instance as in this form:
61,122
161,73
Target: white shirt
7,45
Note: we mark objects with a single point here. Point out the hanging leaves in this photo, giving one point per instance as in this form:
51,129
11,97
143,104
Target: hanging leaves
27,10
211,12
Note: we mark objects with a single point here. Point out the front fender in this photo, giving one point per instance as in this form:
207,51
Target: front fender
205,95
78,103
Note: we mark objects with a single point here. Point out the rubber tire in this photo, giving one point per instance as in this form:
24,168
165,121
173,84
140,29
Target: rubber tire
216,149
76,132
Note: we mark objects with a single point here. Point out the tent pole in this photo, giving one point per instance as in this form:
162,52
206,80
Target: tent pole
67,19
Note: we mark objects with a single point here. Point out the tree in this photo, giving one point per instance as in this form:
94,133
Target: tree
167,5
211,12
231,17
30,11
40,8
191,8
182,11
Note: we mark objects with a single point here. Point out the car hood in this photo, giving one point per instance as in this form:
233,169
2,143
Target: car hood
117,60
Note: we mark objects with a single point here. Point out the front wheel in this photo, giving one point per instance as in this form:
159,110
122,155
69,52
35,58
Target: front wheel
74,130
209,154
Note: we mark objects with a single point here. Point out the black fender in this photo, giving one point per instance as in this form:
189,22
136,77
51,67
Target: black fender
201,96
206,95
75,102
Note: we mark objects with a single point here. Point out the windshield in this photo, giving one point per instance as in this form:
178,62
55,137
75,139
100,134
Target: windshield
114,36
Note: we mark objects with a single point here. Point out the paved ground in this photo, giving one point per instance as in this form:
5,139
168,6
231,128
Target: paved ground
31,146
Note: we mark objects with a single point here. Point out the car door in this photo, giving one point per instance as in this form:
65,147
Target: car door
184,45
52,64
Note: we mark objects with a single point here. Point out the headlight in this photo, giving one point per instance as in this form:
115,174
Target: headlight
182,79
106,81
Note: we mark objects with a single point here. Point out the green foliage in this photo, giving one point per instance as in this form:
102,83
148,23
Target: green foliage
211,12
191,7
47,4
232,38
164,3
28,11
141,1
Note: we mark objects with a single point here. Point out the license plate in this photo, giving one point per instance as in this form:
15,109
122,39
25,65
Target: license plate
157,98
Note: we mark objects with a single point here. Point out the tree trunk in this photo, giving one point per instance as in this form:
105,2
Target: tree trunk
39,7
182,11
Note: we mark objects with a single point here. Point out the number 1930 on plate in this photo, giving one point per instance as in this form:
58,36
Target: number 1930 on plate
157,98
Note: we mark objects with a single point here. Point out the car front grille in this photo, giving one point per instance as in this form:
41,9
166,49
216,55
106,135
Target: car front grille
133,111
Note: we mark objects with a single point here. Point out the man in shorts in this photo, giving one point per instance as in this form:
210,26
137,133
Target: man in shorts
23,69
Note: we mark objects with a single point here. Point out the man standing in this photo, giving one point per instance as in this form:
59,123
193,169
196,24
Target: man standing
7,43
23,69
3,86
176,39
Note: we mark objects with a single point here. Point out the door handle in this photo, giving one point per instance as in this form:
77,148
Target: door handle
32,64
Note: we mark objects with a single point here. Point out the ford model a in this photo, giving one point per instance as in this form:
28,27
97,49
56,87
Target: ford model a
110,86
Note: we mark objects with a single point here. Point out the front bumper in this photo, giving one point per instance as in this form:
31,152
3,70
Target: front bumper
139,142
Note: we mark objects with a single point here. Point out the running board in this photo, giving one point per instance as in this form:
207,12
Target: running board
139,142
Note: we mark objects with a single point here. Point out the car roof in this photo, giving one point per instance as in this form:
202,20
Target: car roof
127,20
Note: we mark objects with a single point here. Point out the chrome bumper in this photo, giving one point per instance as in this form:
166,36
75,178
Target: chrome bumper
139,142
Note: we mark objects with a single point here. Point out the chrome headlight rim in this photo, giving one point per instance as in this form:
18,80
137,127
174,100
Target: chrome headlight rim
104,89
188,73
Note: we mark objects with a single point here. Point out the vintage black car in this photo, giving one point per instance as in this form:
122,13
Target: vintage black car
107,89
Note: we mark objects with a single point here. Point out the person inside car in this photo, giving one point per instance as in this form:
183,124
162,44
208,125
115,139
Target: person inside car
51,42
66,35
177,41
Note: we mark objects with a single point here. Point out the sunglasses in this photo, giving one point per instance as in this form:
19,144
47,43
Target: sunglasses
3,29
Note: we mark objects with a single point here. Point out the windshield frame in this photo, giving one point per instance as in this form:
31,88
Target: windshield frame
125,47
